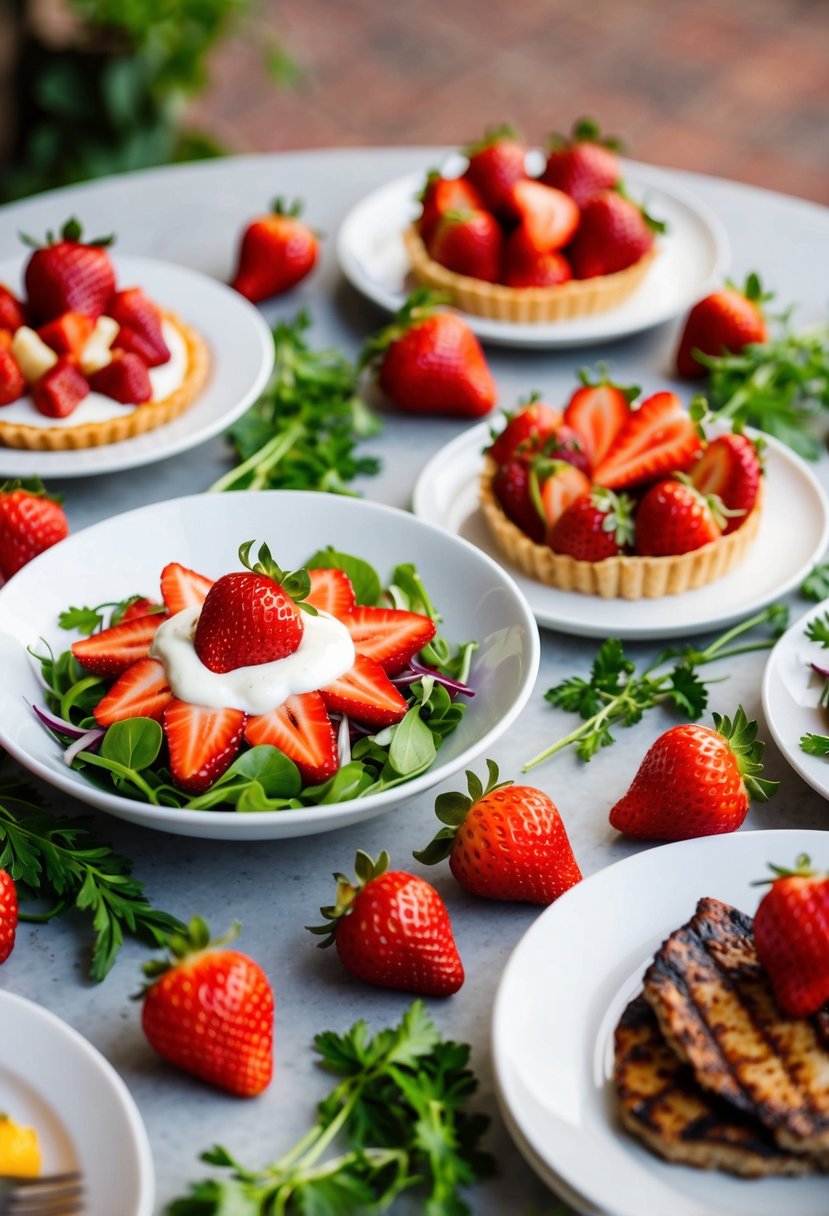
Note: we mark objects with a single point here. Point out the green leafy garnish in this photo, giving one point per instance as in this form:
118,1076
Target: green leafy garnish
815,745
817,630
816,584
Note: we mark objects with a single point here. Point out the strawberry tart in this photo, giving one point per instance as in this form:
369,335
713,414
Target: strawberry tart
84,362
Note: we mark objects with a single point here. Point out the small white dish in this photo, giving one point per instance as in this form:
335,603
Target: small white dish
446,494
791,694
693,256
124,556
241,353
52,1079
557,1006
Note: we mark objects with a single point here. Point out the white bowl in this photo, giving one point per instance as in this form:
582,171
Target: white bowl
124,556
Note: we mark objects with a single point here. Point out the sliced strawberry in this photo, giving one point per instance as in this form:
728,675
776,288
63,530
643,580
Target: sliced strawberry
183,588
202,742
548,216
658,438
299,727
141,691
730,469
60,390
113,650
389,636
12,312
598,411
365,693
12,382
125,378
561,487
137,314
142,607
67,334
331,592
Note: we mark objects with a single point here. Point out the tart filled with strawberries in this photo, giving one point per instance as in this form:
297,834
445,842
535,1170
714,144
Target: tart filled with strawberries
506,245
85,361
261,690
617,497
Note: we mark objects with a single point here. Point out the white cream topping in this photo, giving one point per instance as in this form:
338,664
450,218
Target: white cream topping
98,408
325,653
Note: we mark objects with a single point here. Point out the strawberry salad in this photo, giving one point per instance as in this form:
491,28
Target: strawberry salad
263,690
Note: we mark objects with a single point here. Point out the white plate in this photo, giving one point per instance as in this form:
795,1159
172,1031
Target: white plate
125,555
558,1003
241,352
52,1079
791,692
446,494
693,256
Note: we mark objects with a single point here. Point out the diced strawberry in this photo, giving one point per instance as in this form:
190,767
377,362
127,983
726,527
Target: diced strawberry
124,379
564,484
331,592
597,412
131,342
548,216
141,691
202,742
12,382
113,650
658,438
12,312
67,334
389,636
299,727
183,588
136,313
60,390
366,694
142,607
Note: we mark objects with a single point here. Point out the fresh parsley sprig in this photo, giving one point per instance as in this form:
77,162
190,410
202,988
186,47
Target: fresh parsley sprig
816,583
817,630
617,695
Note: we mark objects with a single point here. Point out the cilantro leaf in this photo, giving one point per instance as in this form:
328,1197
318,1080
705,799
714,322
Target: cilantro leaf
815,745
816,584
818,630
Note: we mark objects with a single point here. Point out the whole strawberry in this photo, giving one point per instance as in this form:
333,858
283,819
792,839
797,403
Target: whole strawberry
496,163
791,933
613,234
695,781
277,251
726,320
8,915
68,275
209,1011
504,841
30,521
584,163
674,518
392,929
731,469
442,194
469,243
595,526
531,422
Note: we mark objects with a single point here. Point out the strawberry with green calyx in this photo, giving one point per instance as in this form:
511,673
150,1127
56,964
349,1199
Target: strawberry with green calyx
534,488
209,1010
30,521
695,781
533,420
392,929
724,321
469,243
8,915
613,233
496,163
730,468
277,251
441,195
673,518
503,841
68,274
583,163
596,526
598,410
791,933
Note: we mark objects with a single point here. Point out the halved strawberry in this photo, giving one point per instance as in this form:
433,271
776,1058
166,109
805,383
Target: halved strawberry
67,334
562,485
389,636
139,315
729,468
549,217
141,691
658,438
202,742
331,592
299,727
142,607
183,588
60,390
113,650
598,411
366,694
125,379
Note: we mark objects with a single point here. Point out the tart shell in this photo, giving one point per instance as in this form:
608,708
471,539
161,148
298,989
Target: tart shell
522,305
624,577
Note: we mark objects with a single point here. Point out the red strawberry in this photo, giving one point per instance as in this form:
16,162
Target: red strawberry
301,728
695,781
113,650
442,194
584,164
534,421
140,606
125,378
8,915
469,243
209,1011
562,484
12,383
504,842
12,311
726,320
389,636
547,217
141,691
140,318
366,693
524,266
614,233
331,592
516,487
202,742
432,363
60,390
253,616
595,526
791,933
183,588
672,518
276,252
30,521
658,438
730,469
495,163
67,334
597,412
68,275
392,929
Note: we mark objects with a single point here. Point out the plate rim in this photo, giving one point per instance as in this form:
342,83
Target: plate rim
798,760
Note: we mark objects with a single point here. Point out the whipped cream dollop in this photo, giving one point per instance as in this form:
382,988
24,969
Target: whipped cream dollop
325,653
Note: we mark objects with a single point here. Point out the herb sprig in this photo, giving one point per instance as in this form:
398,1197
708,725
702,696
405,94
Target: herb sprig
817,630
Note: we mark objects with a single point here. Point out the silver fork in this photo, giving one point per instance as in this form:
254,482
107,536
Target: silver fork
49,1195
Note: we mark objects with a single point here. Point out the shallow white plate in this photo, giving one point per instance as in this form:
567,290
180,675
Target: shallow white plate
693,256
241,352
791,695
446,494
125,555
557,1006
52,1079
